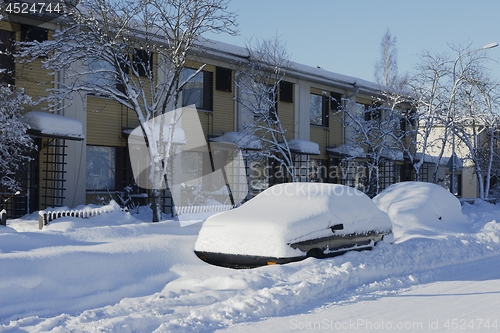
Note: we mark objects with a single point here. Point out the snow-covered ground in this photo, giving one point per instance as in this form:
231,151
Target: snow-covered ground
119,272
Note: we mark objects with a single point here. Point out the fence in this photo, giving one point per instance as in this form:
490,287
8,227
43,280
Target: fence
179,210
46,216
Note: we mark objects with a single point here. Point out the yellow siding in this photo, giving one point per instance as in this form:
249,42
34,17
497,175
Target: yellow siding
319,135
336,130
286,116
105,119
31,77
223,112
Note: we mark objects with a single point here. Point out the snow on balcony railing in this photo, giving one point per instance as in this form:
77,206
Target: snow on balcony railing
48,215
179,210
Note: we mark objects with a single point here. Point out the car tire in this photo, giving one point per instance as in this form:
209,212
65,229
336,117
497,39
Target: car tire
315,253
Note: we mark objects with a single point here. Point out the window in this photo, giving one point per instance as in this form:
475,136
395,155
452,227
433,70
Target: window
101,72
319,110
101,170
30,33
286,92
143,62
371,112
199,90
7,64
223,79
104,74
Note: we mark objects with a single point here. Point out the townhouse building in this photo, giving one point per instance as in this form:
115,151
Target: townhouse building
83,151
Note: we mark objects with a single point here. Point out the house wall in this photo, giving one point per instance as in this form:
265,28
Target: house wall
104,119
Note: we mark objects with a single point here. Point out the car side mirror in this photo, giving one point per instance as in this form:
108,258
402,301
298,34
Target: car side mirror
337,227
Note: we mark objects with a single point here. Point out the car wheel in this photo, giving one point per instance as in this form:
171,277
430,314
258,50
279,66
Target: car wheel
315,253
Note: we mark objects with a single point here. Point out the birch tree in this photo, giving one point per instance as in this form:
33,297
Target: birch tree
386,68
134,53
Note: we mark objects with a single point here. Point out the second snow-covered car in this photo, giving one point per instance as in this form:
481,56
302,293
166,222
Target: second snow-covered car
290,222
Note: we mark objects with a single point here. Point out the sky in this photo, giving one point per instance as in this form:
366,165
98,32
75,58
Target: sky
344,36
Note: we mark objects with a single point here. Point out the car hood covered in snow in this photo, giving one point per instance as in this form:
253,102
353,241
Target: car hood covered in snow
290,213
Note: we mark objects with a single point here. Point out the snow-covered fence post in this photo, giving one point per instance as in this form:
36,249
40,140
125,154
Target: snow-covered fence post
3,217
42,219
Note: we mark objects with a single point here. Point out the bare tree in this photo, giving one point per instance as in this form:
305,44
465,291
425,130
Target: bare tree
259,82
454,98
386,68
431,105
476,122
134,53
377,129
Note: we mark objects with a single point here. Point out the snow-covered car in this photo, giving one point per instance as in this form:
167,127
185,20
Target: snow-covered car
421,208
290,222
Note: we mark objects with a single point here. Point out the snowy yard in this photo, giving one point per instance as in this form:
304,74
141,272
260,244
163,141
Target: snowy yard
119,272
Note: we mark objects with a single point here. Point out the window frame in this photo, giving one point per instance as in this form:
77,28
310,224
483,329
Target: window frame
207,90
324,110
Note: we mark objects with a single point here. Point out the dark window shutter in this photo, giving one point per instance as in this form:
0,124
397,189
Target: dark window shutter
335,102
208,91
143,61
286,91
223,79
368,115
30,33
6,59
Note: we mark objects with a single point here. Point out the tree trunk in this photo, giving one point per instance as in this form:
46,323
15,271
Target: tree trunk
156,205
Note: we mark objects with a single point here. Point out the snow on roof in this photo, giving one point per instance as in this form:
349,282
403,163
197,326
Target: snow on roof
392,154
233,52
242,140
289,213
53,125
303,147
347,150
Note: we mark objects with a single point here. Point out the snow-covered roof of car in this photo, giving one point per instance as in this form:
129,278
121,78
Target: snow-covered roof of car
289,213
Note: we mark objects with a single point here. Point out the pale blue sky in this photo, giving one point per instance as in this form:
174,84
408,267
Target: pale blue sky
344,36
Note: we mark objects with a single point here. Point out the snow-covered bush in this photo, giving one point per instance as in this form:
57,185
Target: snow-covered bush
15,143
